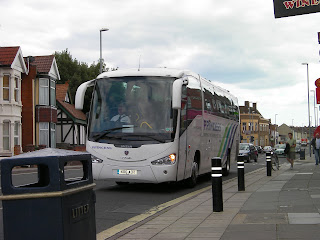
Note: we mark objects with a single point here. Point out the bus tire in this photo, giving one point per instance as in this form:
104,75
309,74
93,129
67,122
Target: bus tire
226,169
191,182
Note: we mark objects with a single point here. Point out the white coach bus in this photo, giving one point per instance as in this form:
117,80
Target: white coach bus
159,125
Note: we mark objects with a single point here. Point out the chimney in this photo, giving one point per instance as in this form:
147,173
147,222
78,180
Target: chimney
246,104
254,105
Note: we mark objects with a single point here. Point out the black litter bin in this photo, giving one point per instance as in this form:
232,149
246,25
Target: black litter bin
302,154
55,206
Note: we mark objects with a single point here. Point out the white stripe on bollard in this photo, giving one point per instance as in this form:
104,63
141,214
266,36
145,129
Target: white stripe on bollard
216,168
216,175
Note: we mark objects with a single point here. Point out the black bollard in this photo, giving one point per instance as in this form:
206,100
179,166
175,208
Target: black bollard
216,175
268,159
241,186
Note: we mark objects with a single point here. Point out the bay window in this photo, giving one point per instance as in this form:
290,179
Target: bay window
53,135
44,91
52,92
6,88
6,135
47,92
44,133
47,131
16,89
16,133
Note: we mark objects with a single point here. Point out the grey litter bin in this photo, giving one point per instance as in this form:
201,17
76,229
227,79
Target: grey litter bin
54,207
302,154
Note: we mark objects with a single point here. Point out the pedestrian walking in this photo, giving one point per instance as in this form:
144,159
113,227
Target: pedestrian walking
292,153
315,143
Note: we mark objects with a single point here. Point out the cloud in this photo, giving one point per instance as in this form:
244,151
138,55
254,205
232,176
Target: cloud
238,44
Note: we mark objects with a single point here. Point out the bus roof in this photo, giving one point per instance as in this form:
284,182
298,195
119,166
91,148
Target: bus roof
161,72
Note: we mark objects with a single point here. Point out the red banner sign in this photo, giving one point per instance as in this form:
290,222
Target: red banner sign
286,8
318,95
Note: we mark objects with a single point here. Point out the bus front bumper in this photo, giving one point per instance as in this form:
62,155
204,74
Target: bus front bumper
142,174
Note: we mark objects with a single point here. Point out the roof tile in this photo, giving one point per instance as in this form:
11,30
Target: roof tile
43,63
61,91
7,55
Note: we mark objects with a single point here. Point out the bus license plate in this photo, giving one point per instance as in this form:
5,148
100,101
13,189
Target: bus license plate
127,172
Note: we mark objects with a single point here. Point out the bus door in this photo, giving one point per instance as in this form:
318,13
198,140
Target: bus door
182,136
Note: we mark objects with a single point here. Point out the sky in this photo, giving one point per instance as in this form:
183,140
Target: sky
238,45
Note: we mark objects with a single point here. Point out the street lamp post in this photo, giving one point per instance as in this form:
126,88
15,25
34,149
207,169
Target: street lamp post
275,133
314,107
101,30
308,104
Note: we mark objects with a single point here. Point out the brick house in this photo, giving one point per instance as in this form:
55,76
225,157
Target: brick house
39,111
12,66
254,127
71,123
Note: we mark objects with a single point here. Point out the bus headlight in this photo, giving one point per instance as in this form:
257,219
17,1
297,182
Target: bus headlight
95,159
168,160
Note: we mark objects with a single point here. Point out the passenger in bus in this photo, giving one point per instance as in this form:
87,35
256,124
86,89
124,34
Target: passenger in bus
121,117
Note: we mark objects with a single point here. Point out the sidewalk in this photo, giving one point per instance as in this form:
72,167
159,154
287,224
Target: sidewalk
285,205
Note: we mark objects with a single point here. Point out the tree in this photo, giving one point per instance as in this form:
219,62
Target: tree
76,73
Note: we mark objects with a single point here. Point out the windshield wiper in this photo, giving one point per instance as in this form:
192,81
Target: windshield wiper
107,131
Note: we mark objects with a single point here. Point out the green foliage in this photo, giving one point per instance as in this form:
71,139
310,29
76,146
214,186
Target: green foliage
76,73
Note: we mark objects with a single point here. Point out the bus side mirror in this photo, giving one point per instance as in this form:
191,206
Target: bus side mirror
81,91
176,92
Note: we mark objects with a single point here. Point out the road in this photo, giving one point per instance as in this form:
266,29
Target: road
116,204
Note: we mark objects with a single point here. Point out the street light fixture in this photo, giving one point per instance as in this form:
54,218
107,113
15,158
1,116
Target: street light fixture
101,30
308,104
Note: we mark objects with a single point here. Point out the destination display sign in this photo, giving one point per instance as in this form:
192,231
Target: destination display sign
286,8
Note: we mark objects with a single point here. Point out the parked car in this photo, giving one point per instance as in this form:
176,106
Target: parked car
248,152
279,149
259,148
267,149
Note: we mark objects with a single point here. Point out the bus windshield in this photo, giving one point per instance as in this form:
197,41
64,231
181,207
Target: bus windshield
128,110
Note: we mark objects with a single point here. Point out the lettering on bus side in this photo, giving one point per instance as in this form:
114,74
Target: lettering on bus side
211,126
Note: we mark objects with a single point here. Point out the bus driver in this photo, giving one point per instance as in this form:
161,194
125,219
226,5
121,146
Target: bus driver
121,117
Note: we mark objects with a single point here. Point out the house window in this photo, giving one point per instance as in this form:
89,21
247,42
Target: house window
52,92
244,126
16,89
47,92
6,87
53,135
44,133
44,91
6,135
16,133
